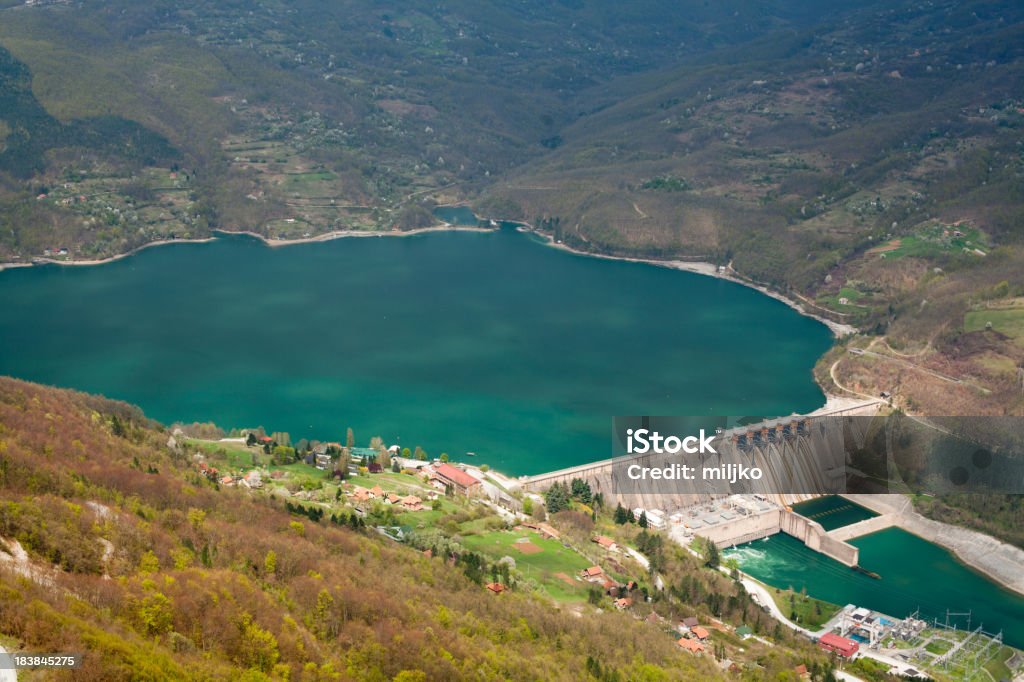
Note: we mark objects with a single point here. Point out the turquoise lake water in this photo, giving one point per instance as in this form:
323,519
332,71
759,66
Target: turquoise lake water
832,511
915,574
484,342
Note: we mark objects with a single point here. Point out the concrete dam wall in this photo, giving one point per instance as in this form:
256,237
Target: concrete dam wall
802,456
785,521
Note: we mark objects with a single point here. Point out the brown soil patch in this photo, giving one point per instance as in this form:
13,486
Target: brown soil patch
891,246
565,579
528,547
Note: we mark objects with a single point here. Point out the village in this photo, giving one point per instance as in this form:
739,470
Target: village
484,523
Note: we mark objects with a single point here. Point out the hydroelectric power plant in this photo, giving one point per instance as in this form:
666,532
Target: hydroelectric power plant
798,458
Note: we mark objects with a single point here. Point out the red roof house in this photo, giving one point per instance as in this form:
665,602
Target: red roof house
462,482
691,645
840,645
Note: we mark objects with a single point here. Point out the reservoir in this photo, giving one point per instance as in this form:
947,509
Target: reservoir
487,342
914,574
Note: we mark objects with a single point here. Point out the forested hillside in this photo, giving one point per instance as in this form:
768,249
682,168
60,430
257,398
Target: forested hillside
862,158
157,575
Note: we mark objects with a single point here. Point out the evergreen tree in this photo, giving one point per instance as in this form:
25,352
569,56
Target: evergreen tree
712,558
643,520
621,516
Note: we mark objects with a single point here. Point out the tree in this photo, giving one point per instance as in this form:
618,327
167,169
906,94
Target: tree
711,556
556,498
581,490
350,438
528,505
420,454
643,520
395,466
156,614
621,516
444,457
270,563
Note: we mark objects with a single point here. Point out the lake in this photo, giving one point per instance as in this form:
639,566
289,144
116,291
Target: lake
487,342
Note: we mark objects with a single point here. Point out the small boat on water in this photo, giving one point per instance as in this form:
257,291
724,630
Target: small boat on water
470,454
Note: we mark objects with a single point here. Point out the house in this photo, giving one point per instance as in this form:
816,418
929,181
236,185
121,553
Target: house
801,672
375,468
592,573
322,460
623,603
843,300
392,498
744,631
547,531
543,528
655,519
362,494
839,645
700,632
264,440
687,624
377,492
605,542
691,645
227,480
496,588
412,503
460,481
253,480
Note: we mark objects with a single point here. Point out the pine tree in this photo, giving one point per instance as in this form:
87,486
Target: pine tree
712,559
643,520
621,516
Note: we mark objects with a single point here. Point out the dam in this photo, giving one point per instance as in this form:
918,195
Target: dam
801,457
798,453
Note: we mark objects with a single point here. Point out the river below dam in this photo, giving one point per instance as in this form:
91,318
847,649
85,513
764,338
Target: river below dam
914,574
483,342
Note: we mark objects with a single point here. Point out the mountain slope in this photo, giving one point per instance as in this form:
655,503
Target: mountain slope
112,545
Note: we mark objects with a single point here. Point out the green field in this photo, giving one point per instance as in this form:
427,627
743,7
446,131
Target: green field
539,568
809,612
1009,321
935,240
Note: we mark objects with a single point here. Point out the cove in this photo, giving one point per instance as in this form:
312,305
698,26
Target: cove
914,574
456,341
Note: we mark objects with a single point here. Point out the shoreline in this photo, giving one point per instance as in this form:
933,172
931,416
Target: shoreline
103,261
342,234
838,329
698,267
269,241
997,561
